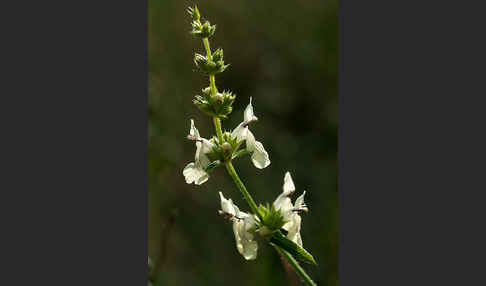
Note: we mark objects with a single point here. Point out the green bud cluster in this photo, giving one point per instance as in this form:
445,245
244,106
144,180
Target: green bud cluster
223,151
200,30
210,66
272,220
218,104
205,30
211,102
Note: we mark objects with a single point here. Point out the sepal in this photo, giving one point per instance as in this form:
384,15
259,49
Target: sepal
272,220
202,31
209,66
218,105
194,13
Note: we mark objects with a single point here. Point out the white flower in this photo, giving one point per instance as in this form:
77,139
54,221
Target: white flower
259,156
195,172
290,211
227,206
243,226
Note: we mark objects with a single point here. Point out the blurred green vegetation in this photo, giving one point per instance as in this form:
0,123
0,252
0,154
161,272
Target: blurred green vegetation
284,55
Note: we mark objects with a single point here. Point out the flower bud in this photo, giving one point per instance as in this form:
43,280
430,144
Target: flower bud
226,149
194,12
226,146
204,31
200,60
218,55
208,66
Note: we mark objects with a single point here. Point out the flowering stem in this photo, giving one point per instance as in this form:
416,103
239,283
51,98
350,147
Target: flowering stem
242,188
296,265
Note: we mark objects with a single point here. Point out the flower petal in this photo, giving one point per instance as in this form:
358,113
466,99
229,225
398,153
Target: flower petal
193,174
194,135
240,132
244,239
250,141
260,156
300,204
207,146
284,204
248,115
194,132
288,187
294,229
202,161
227,205
202,178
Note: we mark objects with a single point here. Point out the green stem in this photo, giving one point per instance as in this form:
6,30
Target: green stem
212,84
217,126
242,188
296,265
206,46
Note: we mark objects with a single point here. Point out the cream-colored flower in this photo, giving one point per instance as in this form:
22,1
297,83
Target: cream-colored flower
259,156
289,211
243,227
195,172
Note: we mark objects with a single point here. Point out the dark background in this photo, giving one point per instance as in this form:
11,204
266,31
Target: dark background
284,54
74,147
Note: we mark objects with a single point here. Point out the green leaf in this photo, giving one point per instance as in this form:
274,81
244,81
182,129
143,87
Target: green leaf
295,264
294,249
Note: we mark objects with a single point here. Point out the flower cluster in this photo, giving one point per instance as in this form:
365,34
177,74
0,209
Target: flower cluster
197,172
211,65
219,105
291,212
282,214
205,30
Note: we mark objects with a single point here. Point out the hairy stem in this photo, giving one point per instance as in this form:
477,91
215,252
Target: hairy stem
217,126
242,189
296,265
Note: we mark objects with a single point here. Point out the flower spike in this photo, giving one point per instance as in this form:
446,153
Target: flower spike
279,223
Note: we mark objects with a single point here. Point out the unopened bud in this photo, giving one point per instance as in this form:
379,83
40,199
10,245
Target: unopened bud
207,30
195,14
226,146
218,55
